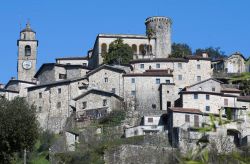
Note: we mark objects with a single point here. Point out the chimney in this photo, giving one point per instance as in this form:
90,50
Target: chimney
1,86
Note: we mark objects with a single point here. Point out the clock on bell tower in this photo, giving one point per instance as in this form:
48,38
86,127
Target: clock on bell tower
27,54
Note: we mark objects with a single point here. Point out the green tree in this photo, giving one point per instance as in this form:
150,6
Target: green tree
214,53
118,53
180,50
18,128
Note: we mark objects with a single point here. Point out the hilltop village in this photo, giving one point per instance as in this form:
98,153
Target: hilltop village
162,95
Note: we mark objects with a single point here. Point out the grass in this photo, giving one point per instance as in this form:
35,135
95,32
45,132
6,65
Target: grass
242,76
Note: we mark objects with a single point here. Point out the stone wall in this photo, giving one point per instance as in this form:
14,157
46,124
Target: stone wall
139,154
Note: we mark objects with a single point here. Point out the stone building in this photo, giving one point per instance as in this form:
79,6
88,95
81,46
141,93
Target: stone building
95,104
51,72
73,61
157,45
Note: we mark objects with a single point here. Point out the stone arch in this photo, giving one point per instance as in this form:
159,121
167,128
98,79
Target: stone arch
104,48
142,49
134,48
27,50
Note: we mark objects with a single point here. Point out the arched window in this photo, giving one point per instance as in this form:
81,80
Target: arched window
142,49
27,50
104,48
134,48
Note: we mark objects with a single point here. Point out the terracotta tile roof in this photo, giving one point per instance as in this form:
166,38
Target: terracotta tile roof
230,90
151,73
185,110
244,98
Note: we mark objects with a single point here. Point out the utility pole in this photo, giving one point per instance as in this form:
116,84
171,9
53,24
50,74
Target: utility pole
24,157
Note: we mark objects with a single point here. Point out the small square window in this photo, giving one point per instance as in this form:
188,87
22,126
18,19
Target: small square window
106,79
198,66
104,102
154,106
59,90
133,80
84,105
158,66
113,90
150,119
198,78
142,66
158,81
167,81
59,105
207,108
180,65
40,95
213,89
133,93
179,77
195,96
187,118
207,97
62,76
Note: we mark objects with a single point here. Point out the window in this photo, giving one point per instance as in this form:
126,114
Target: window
198,66
158,65
187,118
196,121
150,119
167,81
158,81
207,97
133,93
207,108
104,102
225,102
154,106
179,77
59,105
180,65
104,48
198,78
133,80
134,48
142,66
84,105
213,89
167,91
195,96
84,64
62,76
168,104
113,90
59,90
106,79
27,50
40,95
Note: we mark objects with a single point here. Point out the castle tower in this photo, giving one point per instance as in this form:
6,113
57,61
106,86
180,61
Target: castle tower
27,54
160,27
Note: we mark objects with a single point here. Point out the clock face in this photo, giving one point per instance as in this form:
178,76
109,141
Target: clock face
27,64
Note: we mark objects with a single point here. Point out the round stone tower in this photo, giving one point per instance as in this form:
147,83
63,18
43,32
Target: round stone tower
160,28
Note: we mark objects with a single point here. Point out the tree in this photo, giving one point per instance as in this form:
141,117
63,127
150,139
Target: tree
214,53
118,53
18,128
180,50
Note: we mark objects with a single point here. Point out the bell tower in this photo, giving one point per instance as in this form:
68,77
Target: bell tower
27,54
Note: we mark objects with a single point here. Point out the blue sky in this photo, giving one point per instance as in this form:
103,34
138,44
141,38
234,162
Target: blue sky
69,27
